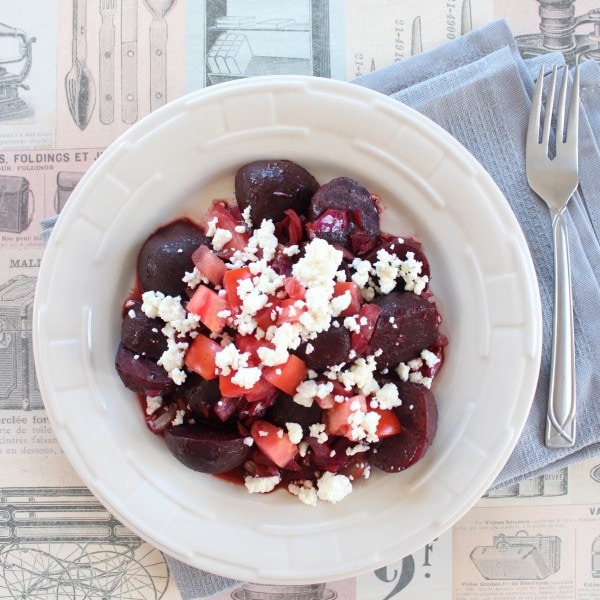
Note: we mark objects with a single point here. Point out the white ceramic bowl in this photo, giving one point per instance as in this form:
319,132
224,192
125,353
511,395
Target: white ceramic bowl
173,163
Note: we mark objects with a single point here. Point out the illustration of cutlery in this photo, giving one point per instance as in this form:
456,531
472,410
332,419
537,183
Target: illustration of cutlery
466,22
158,50
129,61
106,82
416,43
79,83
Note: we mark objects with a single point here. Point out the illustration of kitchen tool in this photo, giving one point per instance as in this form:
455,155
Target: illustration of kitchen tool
416,43
106,83
11,106
466,19
129,61
79,82
158,50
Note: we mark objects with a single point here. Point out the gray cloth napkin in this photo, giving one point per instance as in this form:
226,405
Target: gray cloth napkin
478,88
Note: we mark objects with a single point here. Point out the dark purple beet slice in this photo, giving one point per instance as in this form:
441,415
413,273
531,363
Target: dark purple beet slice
270,187
142,375
201,395
418,416
206,448
418,412
166,256
397,452
406,325
141,334
330,347
285,410
362,216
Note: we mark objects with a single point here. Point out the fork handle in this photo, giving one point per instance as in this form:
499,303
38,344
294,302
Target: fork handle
560,423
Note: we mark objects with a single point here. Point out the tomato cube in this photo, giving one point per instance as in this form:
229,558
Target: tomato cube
210,307
231,280
340,288
288,376
200,356
209,264
389,424
338,418
273,442
227,220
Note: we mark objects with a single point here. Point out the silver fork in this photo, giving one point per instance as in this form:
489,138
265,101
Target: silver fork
555,180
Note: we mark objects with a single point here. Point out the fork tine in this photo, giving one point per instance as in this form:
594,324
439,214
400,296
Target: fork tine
533,129
560,113
573,122
548,110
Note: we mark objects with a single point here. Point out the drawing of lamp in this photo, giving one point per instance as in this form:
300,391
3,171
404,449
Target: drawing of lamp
11,106
558,25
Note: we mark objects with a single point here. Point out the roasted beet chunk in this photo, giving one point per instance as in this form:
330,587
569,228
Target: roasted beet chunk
201,395
406,325
329,348
418,416
142,375
141,334
207,448
344,212
286,410
270,187
166,256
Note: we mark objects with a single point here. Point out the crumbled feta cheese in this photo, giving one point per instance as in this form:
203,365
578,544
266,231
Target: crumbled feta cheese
333,487
246,377
309,349
131,313
317,430
306,492
248,440
211,228
387,396
306,392
246,217
194,278
221,238
153,403
357,449
403,371
264,239
318,266
261,485
430,358
230,358
178,420
291,250
294,432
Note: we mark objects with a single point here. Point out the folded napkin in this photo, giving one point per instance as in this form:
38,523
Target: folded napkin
478,88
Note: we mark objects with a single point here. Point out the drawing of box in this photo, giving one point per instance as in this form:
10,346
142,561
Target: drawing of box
276,23
239,55
234,22
215,58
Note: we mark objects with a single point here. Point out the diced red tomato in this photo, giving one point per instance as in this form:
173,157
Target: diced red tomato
294,289
273,442
230,389
227,220
262,390
250,344
287,377
289,311
338,417
267,316
209,264
207,304
200,356
231,280
389,424
340,288
360,341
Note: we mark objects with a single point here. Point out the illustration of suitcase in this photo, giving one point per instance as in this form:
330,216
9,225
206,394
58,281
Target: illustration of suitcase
520,562
16,204
65,184
547,545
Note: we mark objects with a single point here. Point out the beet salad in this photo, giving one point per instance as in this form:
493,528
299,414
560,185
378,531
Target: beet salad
287,342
